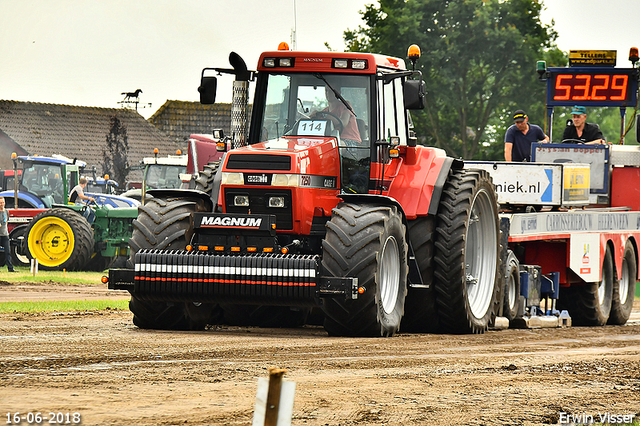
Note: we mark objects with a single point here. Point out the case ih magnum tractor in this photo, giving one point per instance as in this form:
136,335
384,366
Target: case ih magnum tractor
321,208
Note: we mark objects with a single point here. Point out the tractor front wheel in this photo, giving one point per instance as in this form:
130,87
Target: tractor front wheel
166,224
367,242
59,239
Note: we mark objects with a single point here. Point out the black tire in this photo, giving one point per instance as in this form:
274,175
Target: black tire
18,249
468,271
367,242
99,263
204,181
265,316
590,304
511,300
420,313
154,315
624,289
166,224
59,239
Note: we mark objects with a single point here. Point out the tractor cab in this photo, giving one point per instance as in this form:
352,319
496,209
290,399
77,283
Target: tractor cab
47,181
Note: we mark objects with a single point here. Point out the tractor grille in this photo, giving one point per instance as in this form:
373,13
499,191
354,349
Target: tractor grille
181,275
259,162
258,204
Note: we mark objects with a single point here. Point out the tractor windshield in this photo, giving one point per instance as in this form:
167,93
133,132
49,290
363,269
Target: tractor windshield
164,176
333,105
44,181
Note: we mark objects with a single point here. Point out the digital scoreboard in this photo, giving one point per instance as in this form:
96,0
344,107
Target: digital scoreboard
592,86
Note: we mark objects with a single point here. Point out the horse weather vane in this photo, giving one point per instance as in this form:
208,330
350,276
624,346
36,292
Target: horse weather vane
132,98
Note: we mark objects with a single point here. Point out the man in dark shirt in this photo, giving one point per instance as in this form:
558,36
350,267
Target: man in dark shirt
520,136
582,131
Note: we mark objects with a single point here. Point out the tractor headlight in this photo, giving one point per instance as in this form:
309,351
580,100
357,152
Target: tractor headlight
276,202
241,201
229,178
284,179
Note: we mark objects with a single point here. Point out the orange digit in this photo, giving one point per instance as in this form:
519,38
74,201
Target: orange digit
584,87
616,85
560,86
596,87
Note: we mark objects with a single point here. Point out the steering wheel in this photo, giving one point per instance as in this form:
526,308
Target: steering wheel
325,113
572,141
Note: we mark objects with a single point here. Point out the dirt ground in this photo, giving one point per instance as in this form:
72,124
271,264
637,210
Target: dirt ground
99,365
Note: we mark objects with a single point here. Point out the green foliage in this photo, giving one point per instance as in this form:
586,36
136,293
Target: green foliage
115,161
64,306
80,277
608,119
478,63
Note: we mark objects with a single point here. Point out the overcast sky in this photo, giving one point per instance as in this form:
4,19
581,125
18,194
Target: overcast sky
87,52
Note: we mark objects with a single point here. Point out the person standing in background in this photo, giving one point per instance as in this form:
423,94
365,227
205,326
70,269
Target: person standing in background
4,235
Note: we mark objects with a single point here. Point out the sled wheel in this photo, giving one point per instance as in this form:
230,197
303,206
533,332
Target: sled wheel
265,316
366,242
625,288
511,301
420,314
59,239
468,272
166,224
590,304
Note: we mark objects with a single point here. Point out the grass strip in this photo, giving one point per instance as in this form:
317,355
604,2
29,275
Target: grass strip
63,306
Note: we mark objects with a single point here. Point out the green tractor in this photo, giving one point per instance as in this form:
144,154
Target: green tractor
63,235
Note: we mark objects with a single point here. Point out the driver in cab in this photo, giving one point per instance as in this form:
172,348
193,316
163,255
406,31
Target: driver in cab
579,131
343,119
77,193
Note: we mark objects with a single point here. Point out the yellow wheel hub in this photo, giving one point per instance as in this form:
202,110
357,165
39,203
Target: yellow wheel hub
51,241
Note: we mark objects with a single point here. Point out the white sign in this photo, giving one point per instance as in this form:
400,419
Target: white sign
312,127
584,256
523,183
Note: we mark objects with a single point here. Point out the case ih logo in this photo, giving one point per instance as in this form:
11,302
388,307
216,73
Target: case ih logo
244,222
257,179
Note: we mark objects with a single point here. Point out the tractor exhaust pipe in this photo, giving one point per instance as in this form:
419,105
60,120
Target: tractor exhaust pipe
239,116
240,100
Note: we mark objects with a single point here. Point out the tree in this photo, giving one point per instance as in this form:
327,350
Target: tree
478,63
115,161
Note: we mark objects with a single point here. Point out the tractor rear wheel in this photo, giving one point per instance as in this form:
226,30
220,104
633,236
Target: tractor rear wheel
420,314
367,242
59,239
590,304
204,182
166,224
624,289
468,271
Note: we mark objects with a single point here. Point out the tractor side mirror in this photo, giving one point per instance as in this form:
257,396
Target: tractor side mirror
638,128
414,94
207,90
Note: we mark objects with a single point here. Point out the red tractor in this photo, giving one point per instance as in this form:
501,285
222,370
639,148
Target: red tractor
328,205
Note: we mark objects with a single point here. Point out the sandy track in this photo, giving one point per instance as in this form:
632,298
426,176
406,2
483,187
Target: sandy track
100,365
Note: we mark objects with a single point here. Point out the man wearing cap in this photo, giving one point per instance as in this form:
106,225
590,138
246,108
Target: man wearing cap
520,136
580,130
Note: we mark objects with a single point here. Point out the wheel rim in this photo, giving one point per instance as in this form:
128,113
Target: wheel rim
623,286
511,288
51,241
602,287
480,263
389,275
